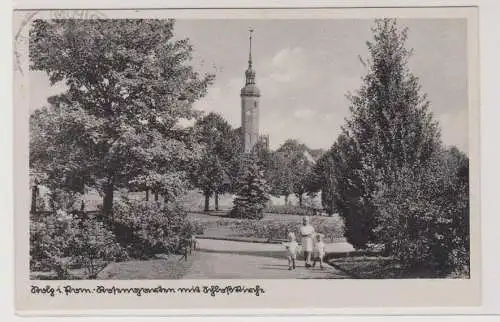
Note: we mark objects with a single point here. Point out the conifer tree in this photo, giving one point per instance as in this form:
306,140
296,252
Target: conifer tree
390,128
252,191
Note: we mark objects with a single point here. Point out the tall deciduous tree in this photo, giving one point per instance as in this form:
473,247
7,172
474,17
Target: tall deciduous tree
234,166
390,128
128,86
216,134
281,177
293,169
323,179
208,176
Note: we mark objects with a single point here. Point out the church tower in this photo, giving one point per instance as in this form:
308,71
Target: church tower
250,95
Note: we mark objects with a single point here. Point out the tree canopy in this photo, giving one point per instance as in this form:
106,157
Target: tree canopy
129,84
219,154
291,169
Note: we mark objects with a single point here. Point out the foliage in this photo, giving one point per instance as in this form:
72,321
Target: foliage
264,156
252,194
208,176
234,167
217,135
94,243
59,241
288,209
219,156
62,199
394,183
273,230
390,128
322,179
117,123
149,228
291,169
40,204
331,228
281,178
425,216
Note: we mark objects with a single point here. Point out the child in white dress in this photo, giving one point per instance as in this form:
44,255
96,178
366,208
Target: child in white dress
292,248
319,250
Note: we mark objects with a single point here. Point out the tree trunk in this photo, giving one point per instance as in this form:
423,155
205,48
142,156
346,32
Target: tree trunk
300,200
286,200
156,196
33,198
207,202
216,200
107,204
147,195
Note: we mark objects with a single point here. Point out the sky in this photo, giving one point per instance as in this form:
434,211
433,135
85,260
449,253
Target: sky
305,68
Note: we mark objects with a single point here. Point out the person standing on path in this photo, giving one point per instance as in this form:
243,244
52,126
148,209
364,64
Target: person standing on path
292,247
307,234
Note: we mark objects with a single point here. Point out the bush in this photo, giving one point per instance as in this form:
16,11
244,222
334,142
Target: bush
50,238
61,199
424,217
93,244
289,210
273,230
331,228
59,241
148,228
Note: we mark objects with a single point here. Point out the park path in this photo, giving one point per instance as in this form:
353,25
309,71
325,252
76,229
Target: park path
222,259
232,266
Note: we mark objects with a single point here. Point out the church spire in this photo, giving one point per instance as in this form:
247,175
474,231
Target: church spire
250,73
250,95
250,51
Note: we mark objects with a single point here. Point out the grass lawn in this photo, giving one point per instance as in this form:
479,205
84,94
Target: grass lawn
79,273
76,271
377,267
367,267
173,267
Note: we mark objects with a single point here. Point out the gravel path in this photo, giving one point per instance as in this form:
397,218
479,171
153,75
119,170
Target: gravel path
221,259
231,266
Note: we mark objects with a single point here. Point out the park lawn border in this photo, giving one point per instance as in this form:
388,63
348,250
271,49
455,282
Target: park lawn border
377,267
174,267
253,240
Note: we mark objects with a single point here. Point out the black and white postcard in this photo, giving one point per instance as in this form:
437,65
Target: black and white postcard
197,159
